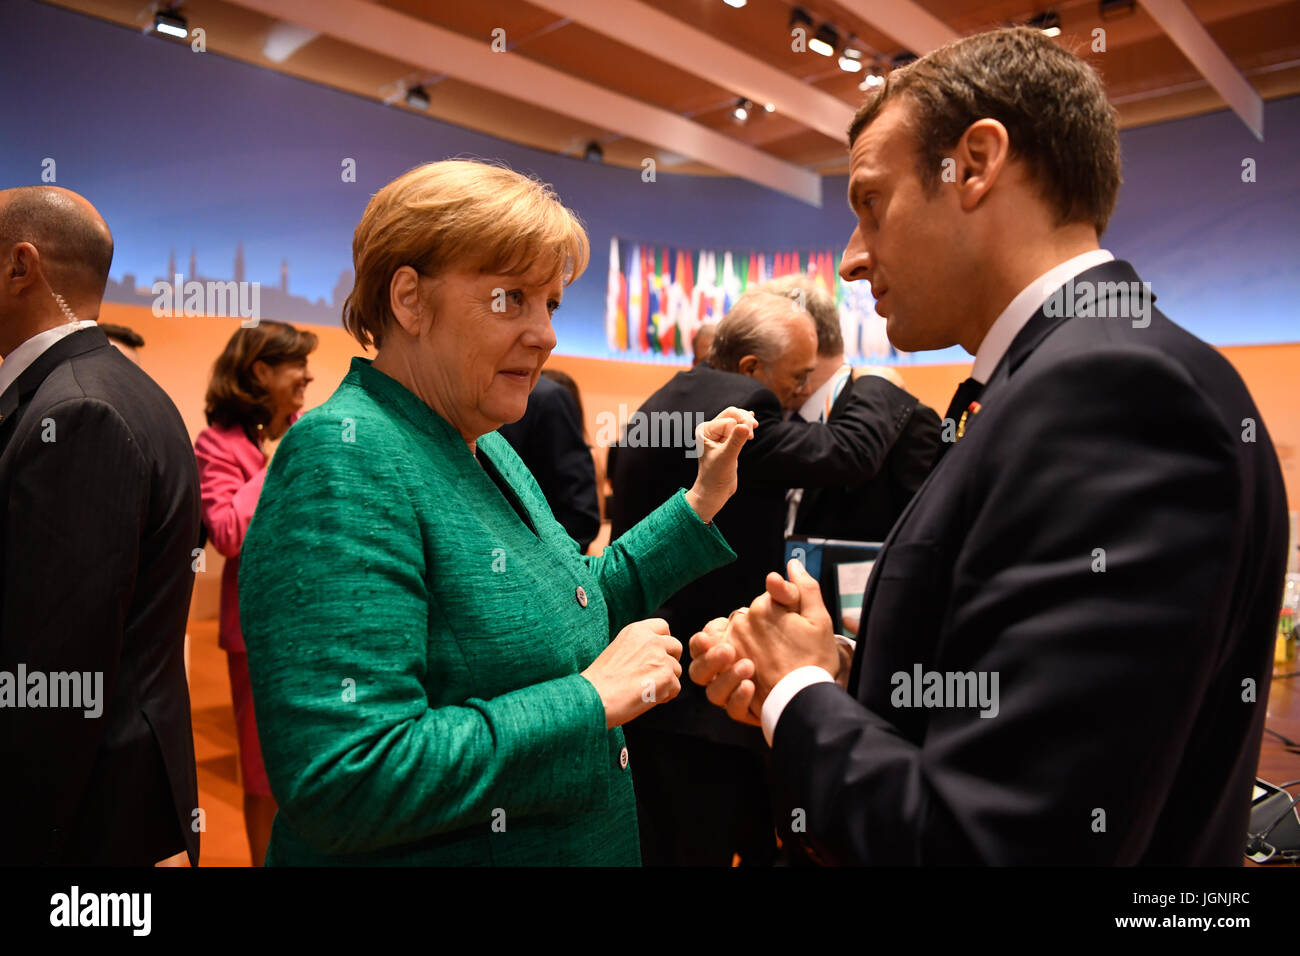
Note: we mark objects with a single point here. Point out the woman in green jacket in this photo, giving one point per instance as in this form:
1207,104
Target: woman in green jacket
431,658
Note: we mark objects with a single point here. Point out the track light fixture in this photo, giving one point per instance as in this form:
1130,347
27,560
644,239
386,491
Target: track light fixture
417,97
169,22
826,41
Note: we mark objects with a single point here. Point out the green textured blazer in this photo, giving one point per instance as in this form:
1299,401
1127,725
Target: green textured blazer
415,646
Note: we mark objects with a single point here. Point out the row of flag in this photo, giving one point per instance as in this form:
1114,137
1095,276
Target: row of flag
658,297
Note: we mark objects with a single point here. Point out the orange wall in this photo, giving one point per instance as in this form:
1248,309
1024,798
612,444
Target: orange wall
179,353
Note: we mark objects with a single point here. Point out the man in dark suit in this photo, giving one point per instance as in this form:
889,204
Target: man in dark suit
864,511
101,519
699,778
1065,645
867,510
549,439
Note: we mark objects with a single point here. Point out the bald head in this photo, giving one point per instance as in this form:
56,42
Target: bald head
73,242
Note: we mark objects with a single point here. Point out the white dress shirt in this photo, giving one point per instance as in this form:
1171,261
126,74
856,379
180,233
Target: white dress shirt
816,409
987,355
21,358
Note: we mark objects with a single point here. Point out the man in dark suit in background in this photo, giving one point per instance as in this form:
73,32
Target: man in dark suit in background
864,511
101,518
699,778
1065,645
550,440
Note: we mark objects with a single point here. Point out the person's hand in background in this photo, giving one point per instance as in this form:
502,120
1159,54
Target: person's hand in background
719,441
639,669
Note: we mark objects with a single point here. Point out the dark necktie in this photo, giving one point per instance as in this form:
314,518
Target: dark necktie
967,392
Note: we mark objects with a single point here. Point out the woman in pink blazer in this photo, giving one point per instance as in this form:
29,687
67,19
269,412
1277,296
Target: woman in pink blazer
256,392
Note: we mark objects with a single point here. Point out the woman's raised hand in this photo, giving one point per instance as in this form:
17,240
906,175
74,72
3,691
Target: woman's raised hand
719,441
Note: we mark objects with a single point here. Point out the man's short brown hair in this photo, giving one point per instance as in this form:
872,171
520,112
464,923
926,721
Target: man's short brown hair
1052,104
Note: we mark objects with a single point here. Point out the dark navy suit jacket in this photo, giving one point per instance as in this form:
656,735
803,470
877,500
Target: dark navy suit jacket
1131,699
101,514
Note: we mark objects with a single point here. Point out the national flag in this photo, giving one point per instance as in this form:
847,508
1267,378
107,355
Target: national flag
615,311
643,320
633,294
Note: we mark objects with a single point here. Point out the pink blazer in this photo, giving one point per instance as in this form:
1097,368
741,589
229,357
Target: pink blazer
231,471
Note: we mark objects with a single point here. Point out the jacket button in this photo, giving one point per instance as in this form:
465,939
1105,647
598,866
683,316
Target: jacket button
582,596
622,758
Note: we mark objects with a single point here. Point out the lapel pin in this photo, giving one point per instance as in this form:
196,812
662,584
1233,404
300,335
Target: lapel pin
972,410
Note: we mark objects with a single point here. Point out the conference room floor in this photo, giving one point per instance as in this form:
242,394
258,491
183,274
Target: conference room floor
224,843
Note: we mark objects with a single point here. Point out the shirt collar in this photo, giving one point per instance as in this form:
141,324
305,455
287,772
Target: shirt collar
1024,307
21,358
818,406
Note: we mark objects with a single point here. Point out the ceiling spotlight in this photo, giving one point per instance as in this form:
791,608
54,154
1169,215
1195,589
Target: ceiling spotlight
825,41
851,61
417,97
170,23
769,107
741,112
594,153
1048,23
872,79
735,3
1110,9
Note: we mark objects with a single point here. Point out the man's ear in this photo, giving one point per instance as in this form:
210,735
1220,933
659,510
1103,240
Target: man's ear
404,300
980,155
748,365
22,266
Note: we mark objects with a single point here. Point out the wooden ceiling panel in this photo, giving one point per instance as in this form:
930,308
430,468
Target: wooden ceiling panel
596,58
1239,36
1146,75
478,19
762,29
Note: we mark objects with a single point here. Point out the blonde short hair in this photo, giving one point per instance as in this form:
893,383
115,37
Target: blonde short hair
453,214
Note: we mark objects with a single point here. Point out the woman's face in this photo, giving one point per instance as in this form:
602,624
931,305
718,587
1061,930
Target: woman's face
286,384
490,335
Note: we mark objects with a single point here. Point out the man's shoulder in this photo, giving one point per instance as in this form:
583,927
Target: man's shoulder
106,377
704,386
1159,349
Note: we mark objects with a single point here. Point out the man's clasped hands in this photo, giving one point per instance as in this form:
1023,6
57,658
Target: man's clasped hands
739,659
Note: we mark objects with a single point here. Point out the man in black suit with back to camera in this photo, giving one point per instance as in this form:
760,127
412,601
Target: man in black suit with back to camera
1065,646
100,523
700,778
864,511
550,441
